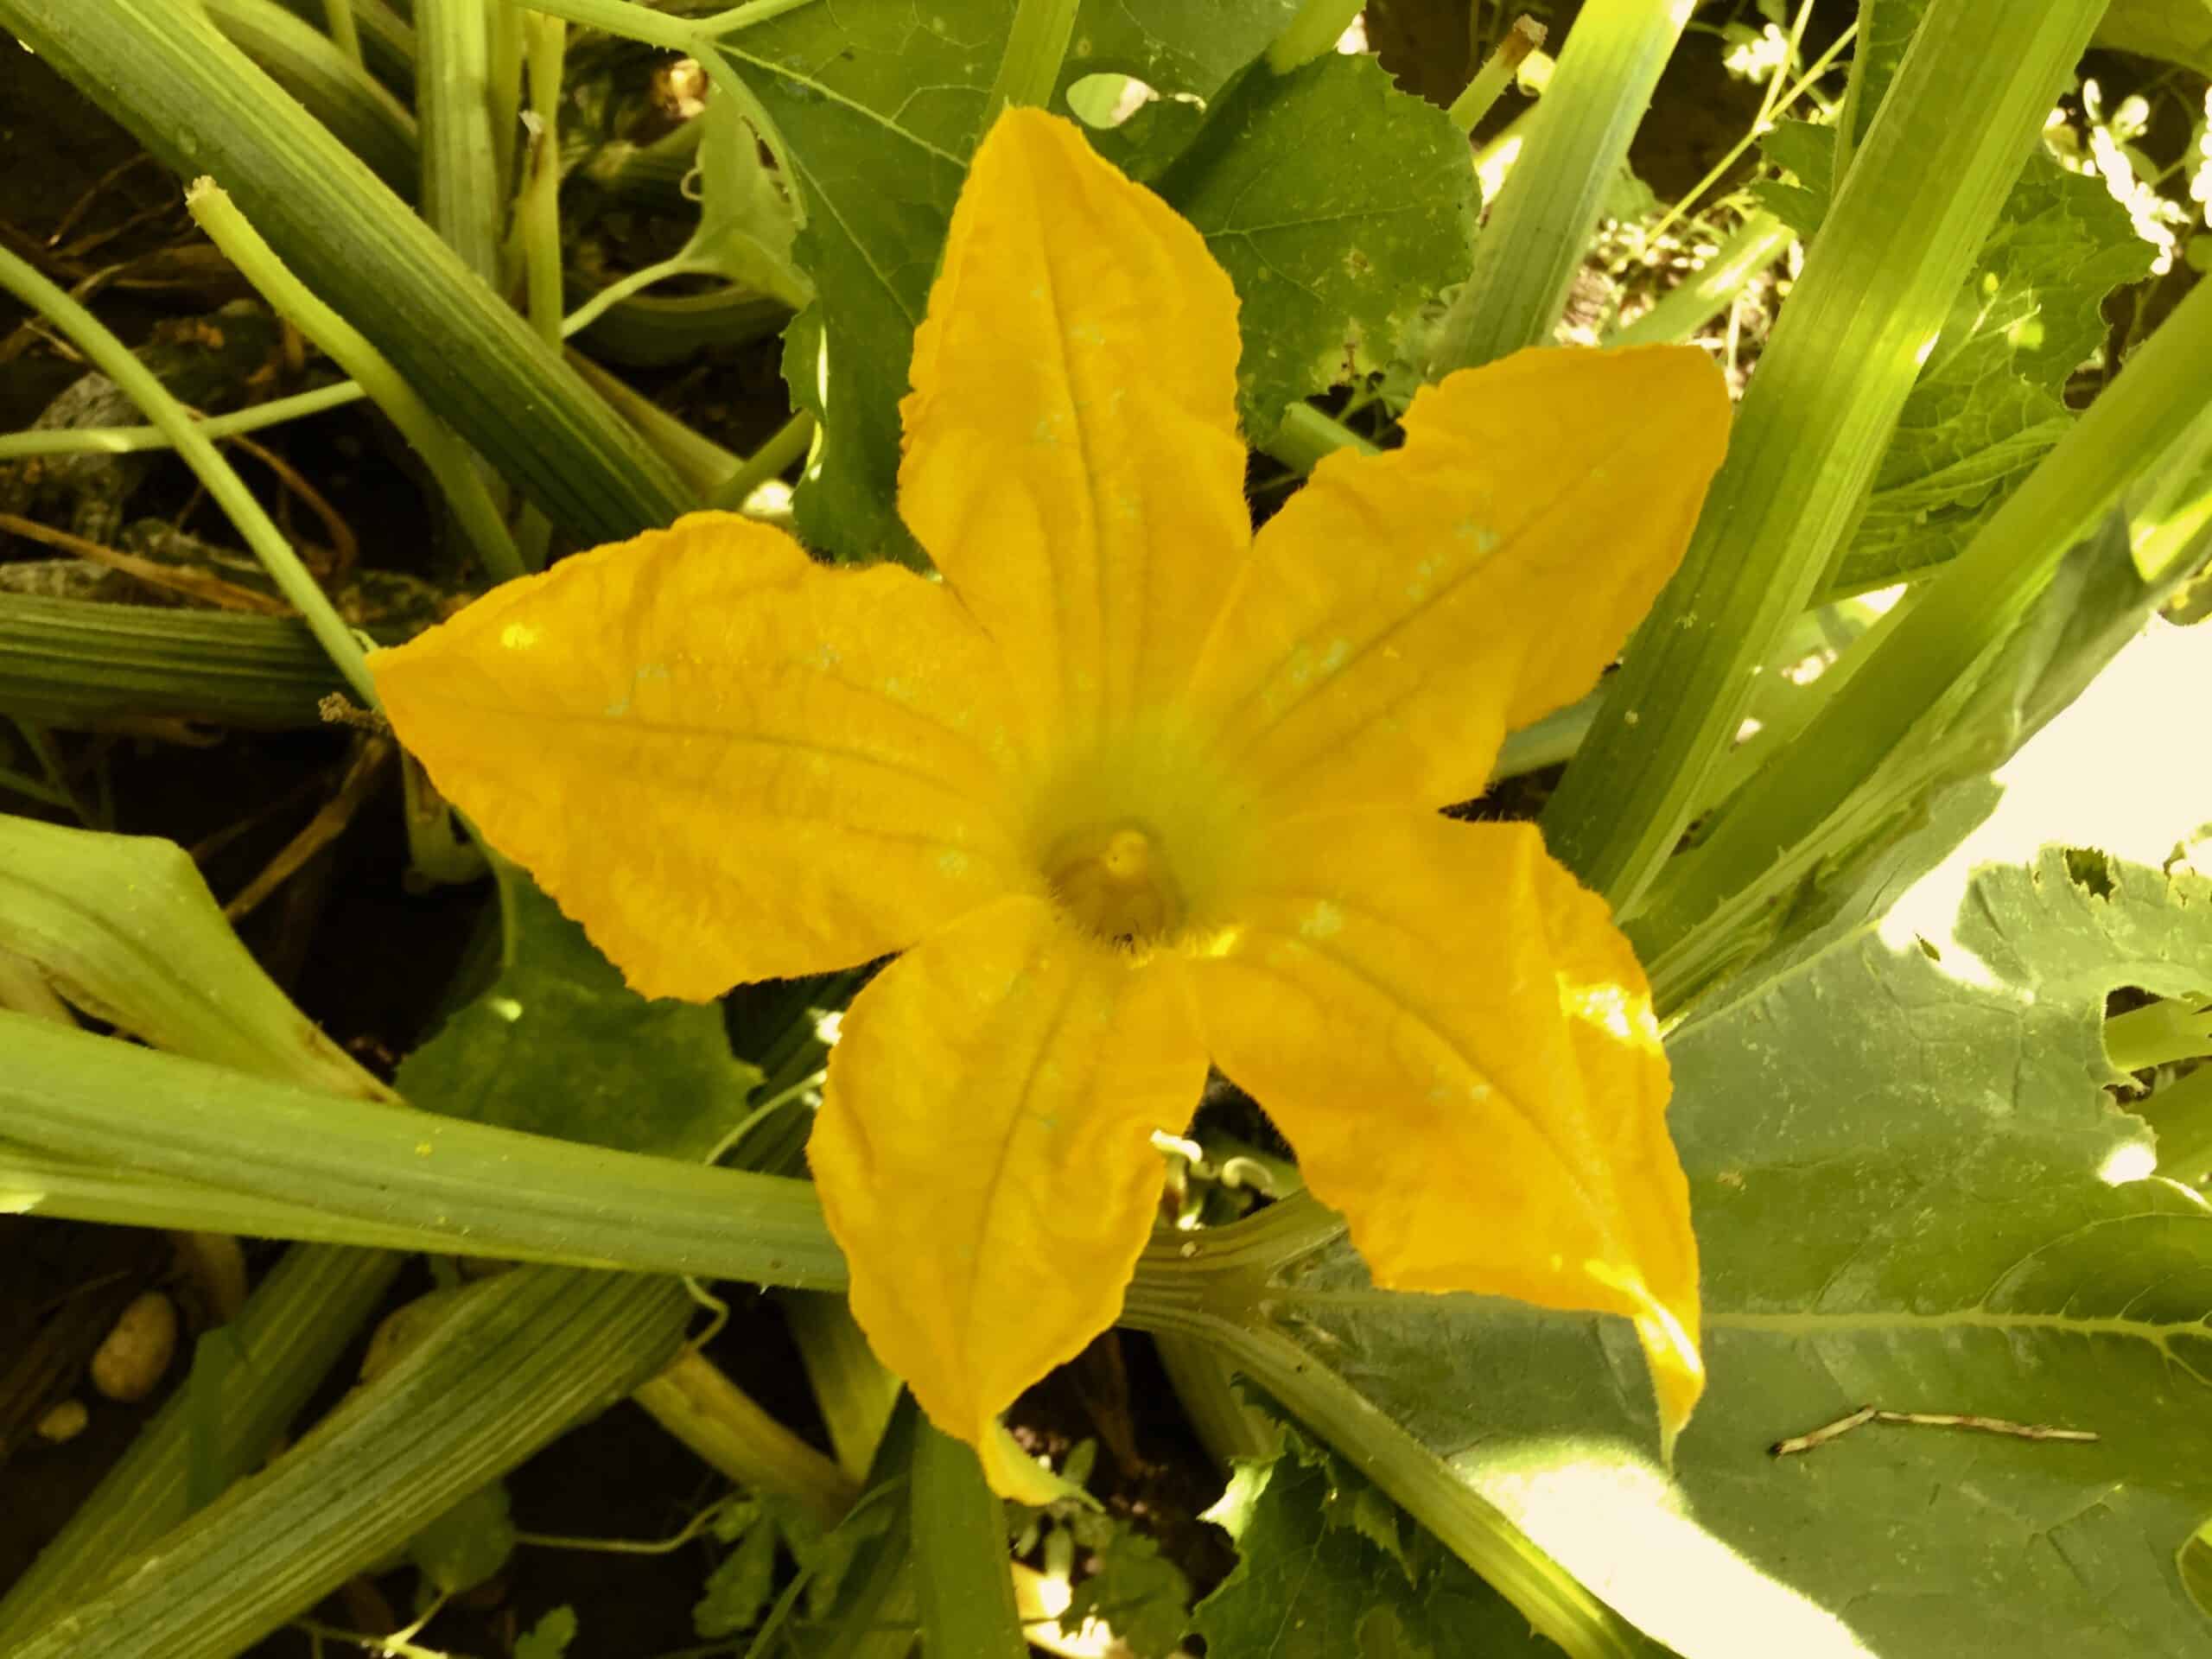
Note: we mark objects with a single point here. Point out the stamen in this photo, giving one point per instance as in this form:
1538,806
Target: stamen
1114,883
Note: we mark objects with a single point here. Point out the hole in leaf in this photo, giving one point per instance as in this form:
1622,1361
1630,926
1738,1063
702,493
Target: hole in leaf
2090,870
1105,101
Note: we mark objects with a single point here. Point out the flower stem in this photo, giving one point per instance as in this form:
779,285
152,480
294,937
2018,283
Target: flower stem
1489,82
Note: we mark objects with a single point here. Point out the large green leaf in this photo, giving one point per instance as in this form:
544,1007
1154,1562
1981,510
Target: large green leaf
2179,31
560,1046
1912,1190
1339,205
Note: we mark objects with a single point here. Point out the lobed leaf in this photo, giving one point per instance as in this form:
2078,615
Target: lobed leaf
1339,206
1324,1572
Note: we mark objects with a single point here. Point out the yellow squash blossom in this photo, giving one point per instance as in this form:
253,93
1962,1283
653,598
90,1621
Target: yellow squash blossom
1134,791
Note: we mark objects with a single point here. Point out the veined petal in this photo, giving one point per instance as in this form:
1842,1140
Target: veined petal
984,1154
727,761
1406,610
1073,463
1459,1044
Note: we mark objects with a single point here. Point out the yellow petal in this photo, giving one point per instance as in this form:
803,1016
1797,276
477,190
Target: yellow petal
1406,610
984,1153
1073,463
727,761
1459,1044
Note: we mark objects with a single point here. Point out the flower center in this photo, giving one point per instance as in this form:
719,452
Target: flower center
1113,881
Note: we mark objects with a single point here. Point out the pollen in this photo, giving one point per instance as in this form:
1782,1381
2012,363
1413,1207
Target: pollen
1114,882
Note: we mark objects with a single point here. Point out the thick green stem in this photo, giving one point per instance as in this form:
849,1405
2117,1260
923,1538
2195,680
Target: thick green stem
1917,205
461,193
960,1554
308,1165
137,382
346,345
1035,48
334,88
1490,81
74,662
1541,227
701,1406
2153,413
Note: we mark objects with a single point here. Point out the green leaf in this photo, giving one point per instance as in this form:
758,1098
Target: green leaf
560,1046
1136,1591
2177,31
549,1637
1989,403
1312,1582
1184,53
468,1544
875,111
737,1591
1806,152
1912,1190
1339,205
1129,1585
